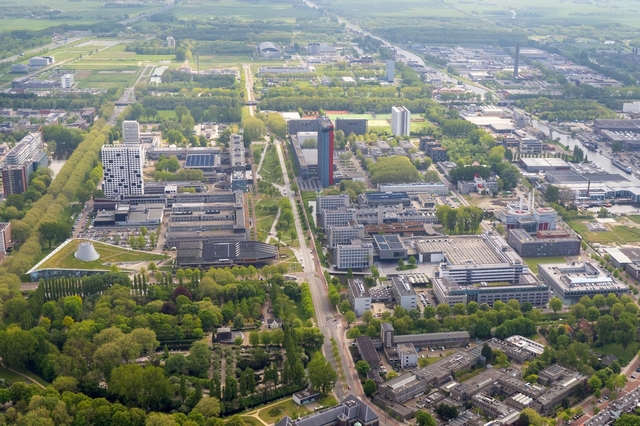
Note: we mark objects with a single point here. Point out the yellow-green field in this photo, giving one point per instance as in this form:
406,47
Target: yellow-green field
65,258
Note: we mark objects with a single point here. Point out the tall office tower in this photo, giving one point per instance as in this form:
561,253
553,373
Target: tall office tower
325,151
391,71
122,166
516,62
400,121
131,132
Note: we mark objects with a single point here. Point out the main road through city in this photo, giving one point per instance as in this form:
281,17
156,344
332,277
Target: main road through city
328,321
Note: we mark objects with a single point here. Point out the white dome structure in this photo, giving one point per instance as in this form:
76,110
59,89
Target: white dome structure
86,252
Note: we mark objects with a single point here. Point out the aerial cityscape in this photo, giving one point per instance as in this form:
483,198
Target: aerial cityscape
319,213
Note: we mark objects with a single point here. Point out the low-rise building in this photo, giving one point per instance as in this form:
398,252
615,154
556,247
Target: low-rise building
374,199
415,188
306,396
545,243
424,340
573,280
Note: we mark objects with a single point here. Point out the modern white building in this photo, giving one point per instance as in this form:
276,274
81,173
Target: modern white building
416,188
400,121
530,145
24,149
67,81
41,61
391,71
131,132
123,164
358,295
357,255
407,355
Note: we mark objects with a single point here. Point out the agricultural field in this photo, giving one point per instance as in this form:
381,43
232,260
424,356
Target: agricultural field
73,13
263,10
521,14
65,258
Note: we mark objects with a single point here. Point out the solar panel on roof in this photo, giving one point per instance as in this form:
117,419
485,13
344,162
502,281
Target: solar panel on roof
199,160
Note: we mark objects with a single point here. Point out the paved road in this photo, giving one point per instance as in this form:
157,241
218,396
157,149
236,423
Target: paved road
249,85
588,403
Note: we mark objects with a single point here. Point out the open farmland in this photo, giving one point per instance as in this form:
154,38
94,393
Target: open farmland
260,10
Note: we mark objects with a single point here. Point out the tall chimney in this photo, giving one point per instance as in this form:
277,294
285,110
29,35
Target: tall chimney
588,187
515,65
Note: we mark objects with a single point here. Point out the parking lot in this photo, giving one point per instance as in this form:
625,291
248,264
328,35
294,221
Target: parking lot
121,237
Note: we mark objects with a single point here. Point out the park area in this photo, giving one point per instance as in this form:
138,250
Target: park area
64,257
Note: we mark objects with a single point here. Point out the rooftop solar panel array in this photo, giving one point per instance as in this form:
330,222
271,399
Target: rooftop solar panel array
199,160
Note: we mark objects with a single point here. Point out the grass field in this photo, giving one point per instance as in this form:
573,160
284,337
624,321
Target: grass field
617,234
284,408
9,376
532,262
65,258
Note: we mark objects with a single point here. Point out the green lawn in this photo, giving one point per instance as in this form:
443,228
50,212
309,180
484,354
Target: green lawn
624,355
271,170
274,413
532,262
264,217
9,376
65,258
617,234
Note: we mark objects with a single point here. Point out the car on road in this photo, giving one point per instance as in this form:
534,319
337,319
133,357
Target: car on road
606,397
